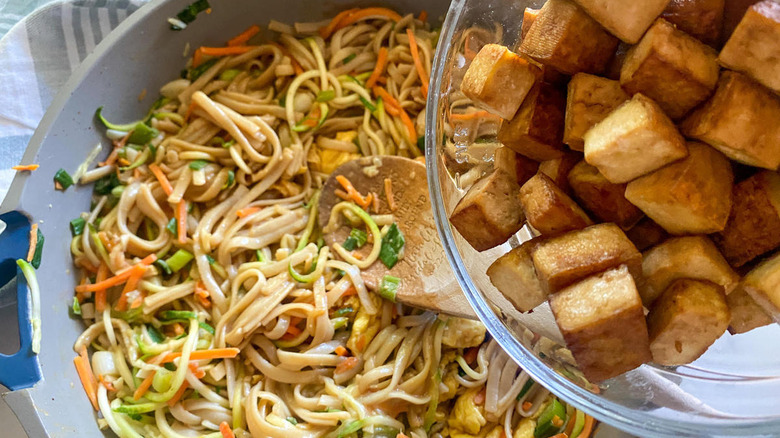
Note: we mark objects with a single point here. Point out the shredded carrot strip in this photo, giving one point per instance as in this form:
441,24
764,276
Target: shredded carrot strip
222,51
423,16
197,57
474,115
367,13
296,66
139,300
224,428
246,211
409,126
391,104
375,203
479,398
381,62
132,282
588,428
560,435
29,167
100,294
527,405
217,353
108,385
354,195
164,183
331,27
118,279
417,62
342,194
88,381
347,364
341,351
470,355
181,209
33,241
243,37
176,397
196,371
389,193
144,386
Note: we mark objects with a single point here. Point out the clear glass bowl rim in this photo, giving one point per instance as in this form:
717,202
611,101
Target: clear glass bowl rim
642,423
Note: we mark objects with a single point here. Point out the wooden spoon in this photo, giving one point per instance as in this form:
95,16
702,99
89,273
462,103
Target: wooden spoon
426,278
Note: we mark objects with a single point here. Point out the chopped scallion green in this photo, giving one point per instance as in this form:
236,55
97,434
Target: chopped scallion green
76,307
326,95
172,226
206,327
198,164
154,334
178,314
63,178
367,104
349,58
389,287
179,259
392,246
36,260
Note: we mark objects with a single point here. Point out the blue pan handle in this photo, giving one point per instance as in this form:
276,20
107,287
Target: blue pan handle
21,369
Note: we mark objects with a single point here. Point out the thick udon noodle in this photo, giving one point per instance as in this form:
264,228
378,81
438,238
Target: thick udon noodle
404,368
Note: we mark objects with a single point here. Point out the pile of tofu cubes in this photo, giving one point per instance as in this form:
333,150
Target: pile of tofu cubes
655,196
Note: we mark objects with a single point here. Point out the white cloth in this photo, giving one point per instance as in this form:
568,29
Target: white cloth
37,56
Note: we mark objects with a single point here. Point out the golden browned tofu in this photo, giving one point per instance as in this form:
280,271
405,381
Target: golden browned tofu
689,196
529,16
604,200
701,19
548,209
564,37
589,100
753,227
490,213
745,313
635,139
558,169
515,164
602,320
693,257
733,11
671,67
689,317
763,285
740,120
568,258
646,233
513,274
626,19
498,80
754,47
536,131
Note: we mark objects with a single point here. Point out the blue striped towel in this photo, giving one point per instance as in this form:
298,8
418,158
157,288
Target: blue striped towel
37,56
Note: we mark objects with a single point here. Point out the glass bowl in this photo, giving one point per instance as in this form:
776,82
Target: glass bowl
732,390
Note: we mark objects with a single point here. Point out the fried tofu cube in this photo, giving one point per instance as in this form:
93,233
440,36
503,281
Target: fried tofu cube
646,234
513,274
754,47
701,19
689,317
740,120
689,196
671,67
746,315
635,139
558,169
566,259
548,209
498,80
589,100
490,213
564,37
536,131
763,285
513,163
529,16
602,320
733,11
693,257
627,20
753,227
604,200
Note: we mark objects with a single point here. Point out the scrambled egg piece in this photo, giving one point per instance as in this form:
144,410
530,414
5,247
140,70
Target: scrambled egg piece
466,415
463,333
449,369
328,159
525,428
364,328
495,432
